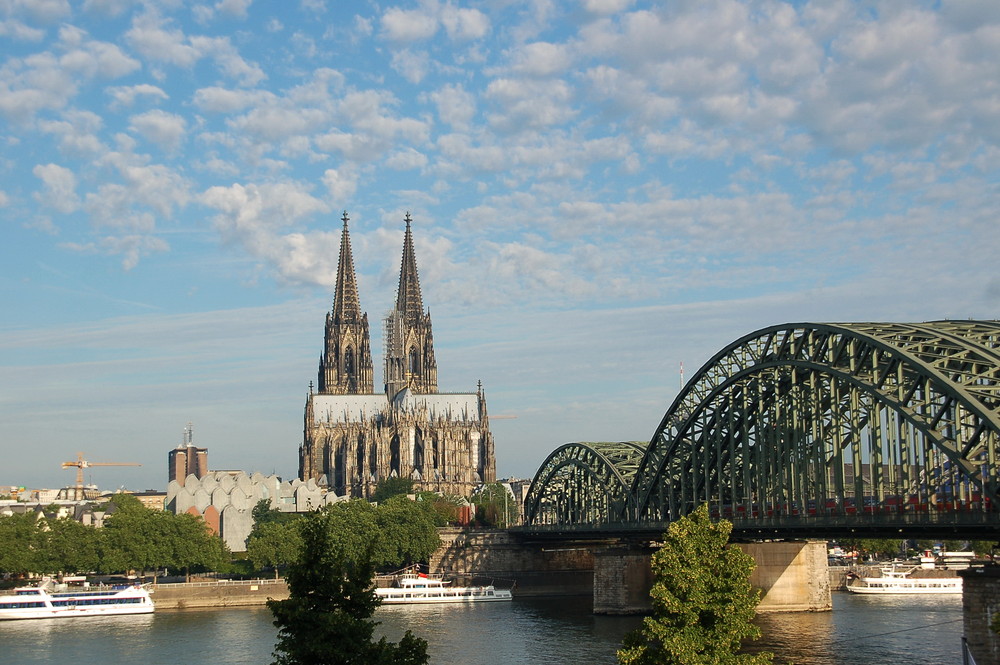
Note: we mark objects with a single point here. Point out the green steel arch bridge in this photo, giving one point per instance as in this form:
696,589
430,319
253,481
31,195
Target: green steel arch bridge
817,430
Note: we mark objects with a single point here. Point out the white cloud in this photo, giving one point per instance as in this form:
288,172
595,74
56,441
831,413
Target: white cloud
236,8
529,104
77,132
406,160
541,59
43,11
455,105
167,130
341,184
252,215
17,30
411,65
464,24
59,188
605,7
125,96
408,25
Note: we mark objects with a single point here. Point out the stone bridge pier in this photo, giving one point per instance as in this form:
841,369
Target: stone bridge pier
793,575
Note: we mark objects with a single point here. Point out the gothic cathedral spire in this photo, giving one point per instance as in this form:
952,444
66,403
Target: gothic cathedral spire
346,364
409,352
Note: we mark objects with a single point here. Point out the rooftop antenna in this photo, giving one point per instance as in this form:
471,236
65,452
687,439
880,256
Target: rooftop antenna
681,387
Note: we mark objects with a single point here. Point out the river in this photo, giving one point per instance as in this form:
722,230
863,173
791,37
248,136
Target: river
865,630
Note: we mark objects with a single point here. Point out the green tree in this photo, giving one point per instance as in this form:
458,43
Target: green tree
263,513
191,543
20,539
703,604
408,530
881,548
65,545
444,507
392,486
134,538
274,544
495,506
327,618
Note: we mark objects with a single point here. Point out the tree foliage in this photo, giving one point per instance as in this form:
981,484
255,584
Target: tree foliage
495,506
703,604
444,508
133,538
274,544
409,533
327,618
392,486
20,543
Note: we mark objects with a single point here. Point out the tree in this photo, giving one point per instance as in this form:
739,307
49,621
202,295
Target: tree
192,544
273,544
65,545
495,506
20,540
880,547
703,604
408,532
327,618
134,538
392,486
444,507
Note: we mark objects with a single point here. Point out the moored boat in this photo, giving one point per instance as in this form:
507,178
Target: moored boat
415,588
46,601
900,581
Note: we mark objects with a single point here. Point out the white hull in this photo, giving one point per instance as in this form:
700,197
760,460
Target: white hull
39,603
63,613
896,582
456,595
415,589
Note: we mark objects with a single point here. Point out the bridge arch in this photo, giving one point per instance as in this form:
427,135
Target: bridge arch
853,421
585,483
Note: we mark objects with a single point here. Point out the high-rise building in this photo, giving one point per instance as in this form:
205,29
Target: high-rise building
187,459
353,437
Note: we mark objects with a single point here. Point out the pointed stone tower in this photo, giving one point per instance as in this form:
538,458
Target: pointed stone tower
409,341
345,368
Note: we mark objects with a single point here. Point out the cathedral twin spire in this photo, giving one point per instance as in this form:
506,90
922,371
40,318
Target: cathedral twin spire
346,365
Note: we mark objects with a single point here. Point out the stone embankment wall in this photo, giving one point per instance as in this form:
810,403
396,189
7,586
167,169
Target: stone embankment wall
495,556
219,593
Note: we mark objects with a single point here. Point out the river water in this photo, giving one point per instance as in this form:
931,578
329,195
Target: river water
861,630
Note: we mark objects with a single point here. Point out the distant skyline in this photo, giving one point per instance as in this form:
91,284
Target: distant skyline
600,191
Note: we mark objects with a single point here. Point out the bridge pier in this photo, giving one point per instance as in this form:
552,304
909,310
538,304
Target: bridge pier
980,603
792,575
623,577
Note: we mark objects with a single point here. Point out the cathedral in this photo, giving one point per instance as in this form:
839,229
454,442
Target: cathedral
354,437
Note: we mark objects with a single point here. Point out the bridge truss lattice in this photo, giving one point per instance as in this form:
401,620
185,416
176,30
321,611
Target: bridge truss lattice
807,423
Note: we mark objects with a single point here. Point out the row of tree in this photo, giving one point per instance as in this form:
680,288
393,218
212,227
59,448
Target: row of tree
405,532
134,538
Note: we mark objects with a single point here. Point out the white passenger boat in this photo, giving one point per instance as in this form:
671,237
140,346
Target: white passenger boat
46,601
896,581
414,588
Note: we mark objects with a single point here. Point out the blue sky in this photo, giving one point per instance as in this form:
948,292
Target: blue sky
600,191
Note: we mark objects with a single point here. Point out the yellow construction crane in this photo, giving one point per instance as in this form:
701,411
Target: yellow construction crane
82,464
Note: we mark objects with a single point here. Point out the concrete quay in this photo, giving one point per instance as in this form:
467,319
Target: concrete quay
218,593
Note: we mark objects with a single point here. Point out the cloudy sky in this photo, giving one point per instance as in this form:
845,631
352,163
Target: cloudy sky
600,190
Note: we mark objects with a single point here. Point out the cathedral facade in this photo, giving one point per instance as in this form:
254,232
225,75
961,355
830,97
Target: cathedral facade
354,437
